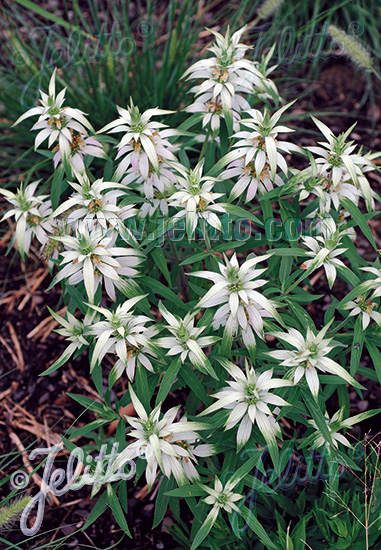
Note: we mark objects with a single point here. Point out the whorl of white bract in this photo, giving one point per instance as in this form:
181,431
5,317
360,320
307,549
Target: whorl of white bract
268,8
352,47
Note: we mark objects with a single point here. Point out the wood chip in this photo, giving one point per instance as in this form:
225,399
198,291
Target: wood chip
15,340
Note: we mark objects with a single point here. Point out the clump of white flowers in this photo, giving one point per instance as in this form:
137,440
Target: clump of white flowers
221,327
226,76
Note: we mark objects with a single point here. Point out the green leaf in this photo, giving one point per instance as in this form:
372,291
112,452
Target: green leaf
376,358
162,500
239,212
317,415
226,344
188,377
348,275
247,467
159,259
57,364
33,6
92,405
142,386
77,432
293,252
357,345
97,376
187,491
97,510
77,298
299,535
360,417
155,238
117,510
57,188
359,219
284,269
158,288
205,528
195,258
255,526
167,380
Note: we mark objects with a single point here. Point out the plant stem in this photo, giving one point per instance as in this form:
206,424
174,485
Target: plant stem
295,283
340,325
209,247
183,280
205,143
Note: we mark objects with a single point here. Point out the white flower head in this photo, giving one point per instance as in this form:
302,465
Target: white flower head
329,195
248,397
225,76
222,497
235,290
32,216
364,307
160,180
124,334
257,154
373,284
213,110
80,147
144,143
93,258
56,122
325,248
334,424
196,199
249,179
93,205
76,331
163,443
309,356
186,339
338,162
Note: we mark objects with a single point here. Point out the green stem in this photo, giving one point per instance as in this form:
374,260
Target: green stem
209,247
205,143
339,326
294,284
183,280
